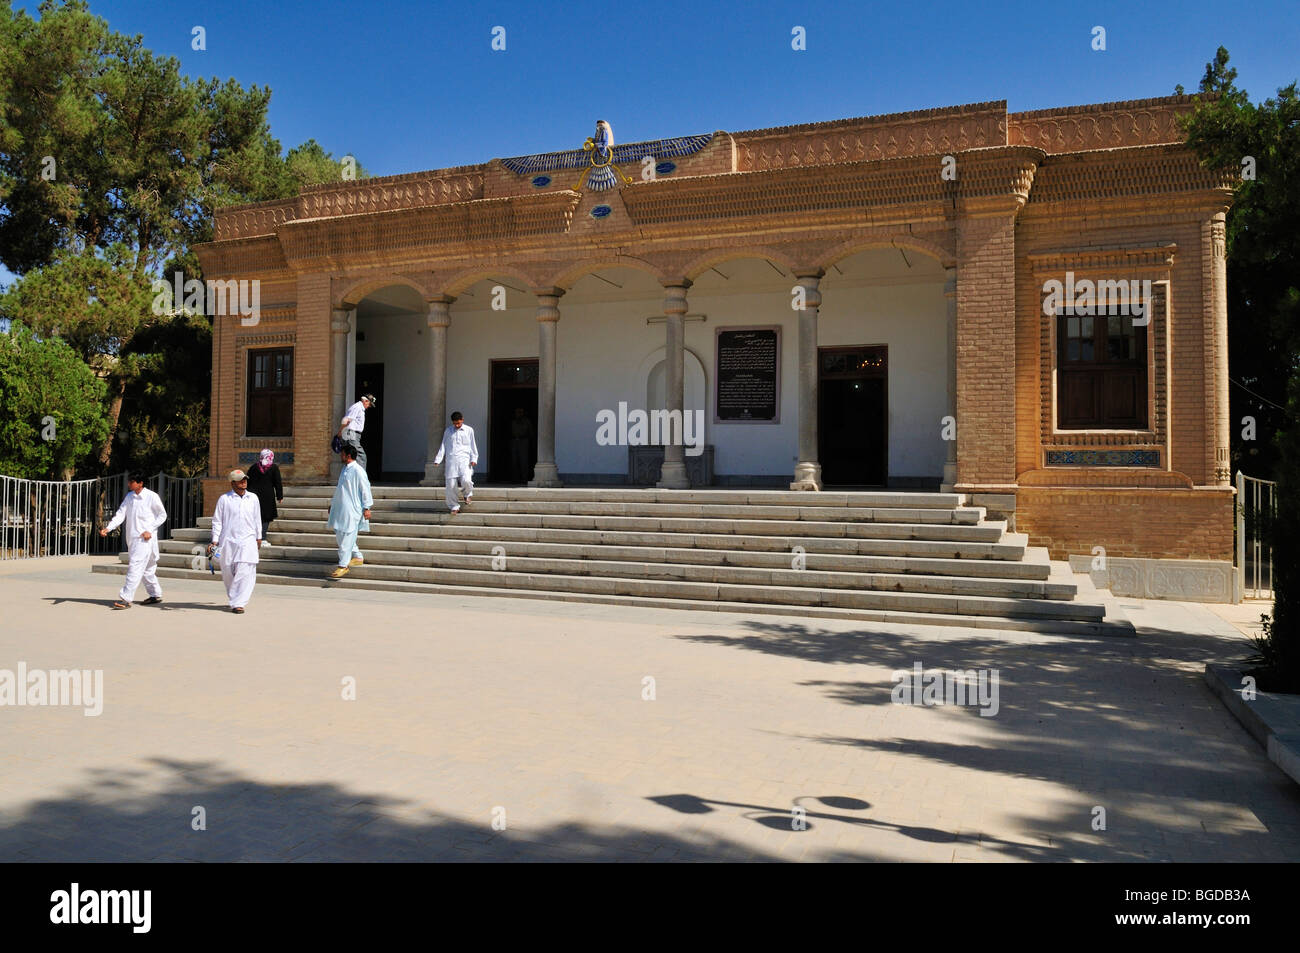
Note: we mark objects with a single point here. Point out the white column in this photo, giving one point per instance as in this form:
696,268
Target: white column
673,475
340,332
546,472
439,318
950,298
808,471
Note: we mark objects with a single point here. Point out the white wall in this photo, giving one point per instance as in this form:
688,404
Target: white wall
401,343
606,349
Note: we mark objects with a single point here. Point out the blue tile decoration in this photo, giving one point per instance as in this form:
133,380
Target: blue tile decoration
665,168
1103,458
541,181
600,211
630,152
281,456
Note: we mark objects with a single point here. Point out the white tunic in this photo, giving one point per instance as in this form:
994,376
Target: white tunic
139,513
460,449
237,527
356,417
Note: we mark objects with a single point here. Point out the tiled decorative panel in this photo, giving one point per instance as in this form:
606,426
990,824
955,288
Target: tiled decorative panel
1103,458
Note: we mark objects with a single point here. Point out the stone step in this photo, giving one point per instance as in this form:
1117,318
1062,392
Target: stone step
700,554
709,497
1009,550
394,523
1093,626
670,588
293,508
605,565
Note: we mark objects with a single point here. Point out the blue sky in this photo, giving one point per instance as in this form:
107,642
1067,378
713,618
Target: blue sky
407,85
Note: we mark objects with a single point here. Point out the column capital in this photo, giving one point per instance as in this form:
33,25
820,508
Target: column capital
440,311
675,296
809,273
548,300
682,283
341,320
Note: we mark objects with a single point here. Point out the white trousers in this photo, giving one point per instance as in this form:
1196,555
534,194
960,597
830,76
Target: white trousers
239,579
143,563
466,479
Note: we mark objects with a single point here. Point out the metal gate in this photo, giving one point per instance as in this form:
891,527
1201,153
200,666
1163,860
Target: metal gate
1256,509
54,518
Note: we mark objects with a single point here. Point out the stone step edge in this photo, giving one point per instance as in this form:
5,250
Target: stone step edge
1108,628
1012,544
1028,607
735,558
993,531
1044,589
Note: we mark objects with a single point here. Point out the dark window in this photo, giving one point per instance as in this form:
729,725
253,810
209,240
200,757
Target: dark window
1101,372
270,393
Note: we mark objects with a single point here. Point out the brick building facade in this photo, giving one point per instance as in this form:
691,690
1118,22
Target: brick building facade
1091,430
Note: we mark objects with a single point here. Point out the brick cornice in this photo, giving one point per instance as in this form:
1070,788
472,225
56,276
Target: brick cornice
1115,258
1132,175
336,242
380,194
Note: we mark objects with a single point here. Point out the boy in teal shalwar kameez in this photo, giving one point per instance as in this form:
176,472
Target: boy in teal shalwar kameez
350,511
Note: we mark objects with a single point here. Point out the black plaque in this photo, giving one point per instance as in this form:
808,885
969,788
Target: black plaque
748,387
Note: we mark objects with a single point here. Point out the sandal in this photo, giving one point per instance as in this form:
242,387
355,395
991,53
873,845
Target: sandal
121,605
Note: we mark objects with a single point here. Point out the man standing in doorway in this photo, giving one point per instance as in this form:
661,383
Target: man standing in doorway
237,533
140,515
350,511
461,451
354,422
521,441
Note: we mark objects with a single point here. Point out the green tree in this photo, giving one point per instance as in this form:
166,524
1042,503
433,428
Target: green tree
1262,142
53,407
141,157
97,305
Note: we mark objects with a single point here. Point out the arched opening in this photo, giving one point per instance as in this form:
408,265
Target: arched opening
882,370
388,357
492,374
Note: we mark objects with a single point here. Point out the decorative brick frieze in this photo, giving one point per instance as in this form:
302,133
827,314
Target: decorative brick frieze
926,132
1138,122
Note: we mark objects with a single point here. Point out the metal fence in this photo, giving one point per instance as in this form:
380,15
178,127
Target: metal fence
53,518
1256,508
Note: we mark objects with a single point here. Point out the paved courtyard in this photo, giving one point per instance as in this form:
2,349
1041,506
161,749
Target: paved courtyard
470,711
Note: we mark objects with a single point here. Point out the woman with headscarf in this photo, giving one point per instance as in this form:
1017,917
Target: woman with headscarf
264,480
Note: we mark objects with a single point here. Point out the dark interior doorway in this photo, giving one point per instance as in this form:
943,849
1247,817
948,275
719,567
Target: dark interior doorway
514,385
853,415
370,380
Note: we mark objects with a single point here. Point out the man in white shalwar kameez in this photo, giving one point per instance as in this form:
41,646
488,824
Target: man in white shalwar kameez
237,534
350,511
461,451
140,515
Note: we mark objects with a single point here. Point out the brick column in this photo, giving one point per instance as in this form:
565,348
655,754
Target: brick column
950,299
340,325
673,475
439,318
546,472
1217,421
986,350
808,471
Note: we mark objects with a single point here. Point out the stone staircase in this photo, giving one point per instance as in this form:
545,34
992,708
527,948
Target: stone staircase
875,557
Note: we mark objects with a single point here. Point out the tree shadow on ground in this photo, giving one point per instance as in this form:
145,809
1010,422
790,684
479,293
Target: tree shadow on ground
145,814
1128,723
